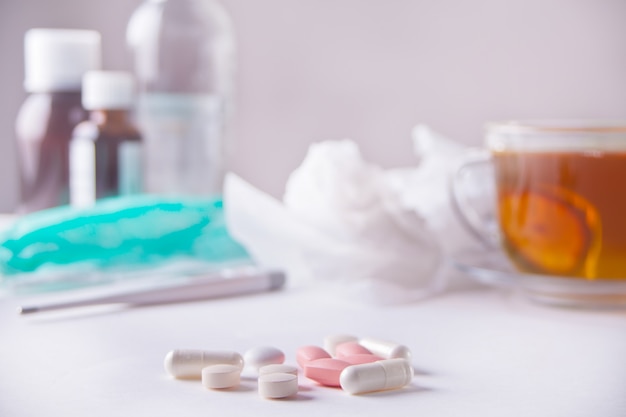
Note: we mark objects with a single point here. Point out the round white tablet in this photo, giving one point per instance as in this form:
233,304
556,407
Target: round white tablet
278,385
221,376
278,368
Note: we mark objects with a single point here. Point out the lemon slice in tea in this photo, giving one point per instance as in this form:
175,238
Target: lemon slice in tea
549,231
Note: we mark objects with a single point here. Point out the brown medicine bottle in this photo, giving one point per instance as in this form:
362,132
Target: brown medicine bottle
55,61
106,150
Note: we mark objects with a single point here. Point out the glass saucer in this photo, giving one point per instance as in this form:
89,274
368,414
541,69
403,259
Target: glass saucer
492,267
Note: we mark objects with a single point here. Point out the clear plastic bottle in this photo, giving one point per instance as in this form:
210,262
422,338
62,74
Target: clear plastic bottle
106,150
184,53
55,61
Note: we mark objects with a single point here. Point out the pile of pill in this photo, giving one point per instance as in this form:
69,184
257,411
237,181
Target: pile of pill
356,365
222,369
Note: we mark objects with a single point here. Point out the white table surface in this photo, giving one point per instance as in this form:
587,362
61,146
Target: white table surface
477,353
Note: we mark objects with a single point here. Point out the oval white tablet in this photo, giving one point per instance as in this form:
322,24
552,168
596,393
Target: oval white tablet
260,356
278,385
221,376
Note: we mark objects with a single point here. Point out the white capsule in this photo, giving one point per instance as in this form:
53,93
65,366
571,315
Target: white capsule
333,340
385,349
188,364
278,385
376,376
278,368
258,357
221,376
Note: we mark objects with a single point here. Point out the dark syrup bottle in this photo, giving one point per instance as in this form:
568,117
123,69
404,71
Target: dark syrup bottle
55,61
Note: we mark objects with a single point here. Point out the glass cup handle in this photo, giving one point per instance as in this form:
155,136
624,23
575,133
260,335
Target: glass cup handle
480,222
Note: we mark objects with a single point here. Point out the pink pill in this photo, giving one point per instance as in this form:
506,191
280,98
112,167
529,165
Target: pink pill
325,371
349,349
306,354
361,358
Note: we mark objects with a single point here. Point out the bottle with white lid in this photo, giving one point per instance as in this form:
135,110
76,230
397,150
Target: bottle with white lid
55,61
184,63
106,150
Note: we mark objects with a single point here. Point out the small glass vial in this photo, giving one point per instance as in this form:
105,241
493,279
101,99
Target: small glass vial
55,62
106,150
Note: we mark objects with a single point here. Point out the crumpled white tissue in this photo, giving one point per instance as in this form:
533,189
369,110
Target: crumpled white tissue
426,187
373,233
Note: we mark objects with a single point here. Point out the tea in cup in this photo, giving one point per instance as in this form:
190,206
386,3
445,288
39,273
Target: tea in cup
560,197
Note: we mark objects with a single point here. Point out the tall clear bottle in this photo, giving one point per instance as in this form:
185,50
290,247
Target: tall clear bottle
184,59
55,61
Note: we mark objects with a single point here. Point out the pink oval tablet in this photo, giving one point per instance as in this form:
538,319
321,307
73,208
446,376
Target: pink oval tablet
361,358
306,354
349,349
325,371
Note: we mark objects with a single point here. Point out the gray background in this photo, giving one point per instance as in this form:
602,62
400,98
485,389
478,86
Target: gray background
369,70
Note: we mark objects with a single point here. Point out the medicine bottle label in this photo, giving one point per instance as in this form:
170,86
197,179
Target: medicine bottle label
130,165
183,139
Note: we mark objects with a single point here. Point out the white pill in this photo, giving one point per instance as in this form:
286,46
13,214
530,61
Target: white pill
278,385
221,376
376,376
333,340
260,356
189,363
278,368
385,349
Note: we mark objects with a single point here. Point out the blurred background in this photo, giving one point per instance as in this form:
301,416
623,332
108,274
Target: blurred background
314,70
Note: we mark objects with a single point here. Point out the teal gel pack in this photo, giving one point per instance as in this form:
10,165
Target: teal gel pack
117,233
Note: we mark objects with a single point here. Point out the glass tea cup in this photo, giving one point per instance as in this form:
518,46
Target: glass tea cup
560,197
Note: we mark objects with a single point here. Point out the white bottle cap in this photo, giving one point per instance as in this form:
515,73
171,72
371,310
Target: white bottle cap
56,59
108,90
